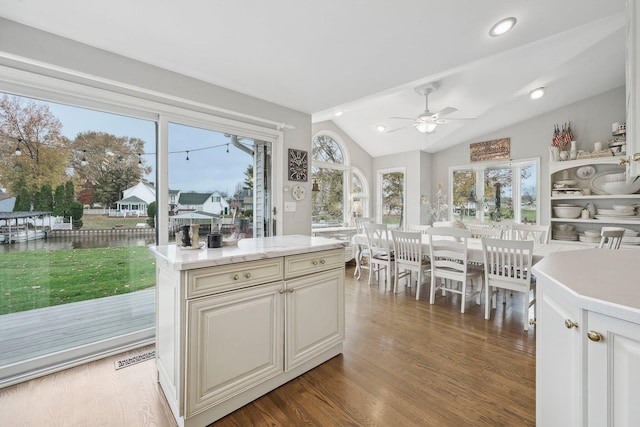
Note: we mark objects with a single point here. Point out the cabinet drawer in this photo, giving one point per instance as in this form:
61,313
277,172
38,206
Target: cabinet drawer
213,280
313,262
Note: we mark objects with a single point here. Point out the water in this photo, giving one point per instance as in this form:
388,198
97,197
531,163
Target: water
76,242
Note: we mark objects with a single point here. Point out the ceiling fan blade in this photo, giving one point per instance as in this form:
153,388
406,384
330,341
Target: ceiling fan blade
456,119
445,112
403,118
400,128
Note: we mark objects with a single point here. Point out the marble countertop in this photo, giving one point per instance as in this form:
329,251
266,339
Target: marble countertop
246,250
604,281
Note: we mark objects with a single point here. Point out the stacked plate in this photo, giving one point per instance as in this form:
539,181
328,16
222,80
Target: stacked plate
565,234
619,211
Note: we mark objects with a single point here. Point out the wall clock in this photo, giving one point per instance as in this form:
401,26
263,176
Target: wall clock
298,165
298,192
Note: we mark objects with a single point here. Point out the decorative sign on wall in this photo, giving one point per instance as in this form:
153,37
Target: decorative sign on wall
490,150
298,165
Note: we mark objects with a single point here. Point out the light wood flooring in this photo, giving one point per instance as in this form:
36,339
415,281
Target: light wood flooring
405,363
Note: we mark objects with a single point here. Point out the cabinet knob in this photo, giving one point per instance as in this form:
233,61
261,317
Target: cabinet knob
322,261
248,275
290,290
236,276
281,291
532,322
595,336
635,157
314,262
570,324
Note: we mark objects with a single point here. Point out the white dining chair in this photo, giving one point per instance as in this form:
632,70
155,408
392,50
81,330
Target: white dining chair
448,251
507,265
418,227
362,253
409,259
478,233
611,237
380,253
537,233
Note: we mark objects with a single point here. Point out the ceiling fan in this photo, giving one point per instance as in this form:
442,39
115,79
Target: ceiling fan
428,121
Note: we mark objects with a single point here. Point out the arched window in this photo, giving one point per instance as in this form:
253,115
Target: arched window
359,194
331,171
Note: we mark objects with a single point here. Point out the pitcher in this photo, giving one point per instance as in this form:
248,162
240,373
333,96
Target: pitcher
554,154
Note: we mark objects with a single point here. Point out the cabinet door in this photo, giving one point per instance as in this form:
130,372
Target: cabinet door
558,360
613,372
234,341
315,315
633,89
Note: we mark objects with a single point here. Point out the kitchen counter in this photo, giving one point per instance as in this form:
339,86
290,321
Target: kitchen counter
234,323
604,281
246,250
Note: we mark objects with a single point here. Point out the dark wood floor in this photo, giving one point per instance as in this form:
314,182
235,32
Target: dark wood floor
405,363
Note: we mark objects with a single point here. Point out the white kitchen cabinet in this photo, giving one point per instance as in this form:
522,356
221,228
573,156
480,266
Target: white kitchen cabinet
234,330
558,329
235,341
315,315
632,74
613,371
588,339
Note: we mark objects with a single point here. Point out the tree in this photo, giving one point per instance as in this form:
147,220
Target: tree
23,201
58,201
151,214
76,211
107,163
32,130
43,201
248,181
393,195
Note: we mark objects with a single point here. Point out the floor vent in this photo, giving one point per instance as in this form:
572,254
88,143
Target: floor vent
132,360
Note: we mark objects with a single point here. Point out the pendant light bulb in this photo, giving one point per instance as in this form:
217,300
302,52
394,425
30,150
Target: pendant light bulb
187,157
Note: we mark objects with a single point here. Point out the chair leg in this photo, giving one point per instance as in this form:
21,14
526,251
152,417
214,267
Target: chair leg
525,318
464,296
487,302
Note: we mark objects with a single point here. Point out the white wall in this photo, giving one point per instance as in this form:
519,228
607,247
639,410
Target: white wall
28,49
591,121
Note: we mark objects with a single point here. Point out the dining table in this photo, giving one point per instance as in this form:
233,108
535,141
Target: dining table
474,248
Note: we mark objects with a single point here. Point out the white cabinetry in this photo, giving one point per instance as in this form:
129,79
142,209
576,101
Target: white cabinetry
632,74
558,327
573,194
588,339
613,371
227,334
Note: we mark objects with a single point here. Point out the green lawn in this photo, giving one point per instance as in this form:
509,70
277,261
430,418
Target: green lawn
30,280
101,222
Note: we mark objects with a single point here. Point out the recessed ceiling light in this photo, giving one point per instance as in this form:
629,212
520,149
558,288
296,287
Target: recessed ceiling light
537,93
502,27
338,113
381,128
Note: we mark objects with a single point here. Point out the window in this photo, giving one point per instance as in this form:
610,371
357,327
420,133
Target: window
359,195
328,170
392,197
496,191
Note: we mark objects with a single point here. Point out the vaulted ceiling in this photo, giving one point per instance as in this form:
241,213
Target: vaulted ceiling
365,58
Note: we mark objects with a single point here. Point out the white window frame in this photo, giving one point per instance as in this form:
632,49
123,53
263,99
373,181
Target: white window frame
516,166
380,173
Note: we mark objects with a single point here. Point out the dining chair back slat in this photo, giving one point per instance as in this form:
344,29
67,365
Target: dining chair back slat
611,237
379,246
448,251
534,232
507,265
408,257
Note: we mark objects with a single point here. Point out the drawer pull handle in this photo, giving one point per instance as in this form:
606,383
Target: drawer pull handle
570,324
595,336
322,261
314,262
236,276
248,275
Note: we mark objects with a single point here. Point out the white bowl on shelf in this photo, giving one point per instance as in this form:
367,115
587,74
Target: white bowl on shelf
592,233
620,187
567,211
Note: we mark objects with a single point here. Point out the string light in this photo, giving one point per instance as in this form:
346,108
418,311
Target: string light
187,156
227,148
18,152
83,162
140,159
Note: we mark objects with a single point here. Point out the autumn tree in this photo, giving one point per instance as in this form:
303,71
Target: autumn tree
329,201
393,197
33,152
107,163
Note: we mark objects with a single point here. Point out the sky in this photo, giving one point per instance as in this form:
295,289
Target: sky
210,167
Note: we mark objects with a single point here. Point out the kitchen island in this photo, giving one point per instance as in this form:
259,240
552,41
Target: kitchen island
234,323
588,338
